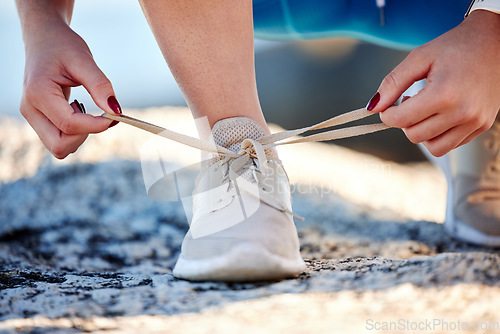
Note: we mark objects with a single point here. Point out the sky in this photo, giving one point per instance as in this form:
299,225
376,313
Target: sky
299,83
122,44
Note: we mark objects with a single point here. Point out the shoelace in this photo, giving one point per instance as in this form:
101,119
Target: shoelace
252,149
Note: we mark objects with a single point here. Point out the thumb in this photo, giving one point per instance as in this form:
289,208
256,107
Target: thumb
97,84
413,68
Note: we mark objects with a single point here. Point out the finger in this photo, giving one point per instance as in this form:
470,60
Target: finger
429,128
414,68
66,92
48,98
58,143
405,98
471,137
77,107
447,141
86,72
485,127
413,111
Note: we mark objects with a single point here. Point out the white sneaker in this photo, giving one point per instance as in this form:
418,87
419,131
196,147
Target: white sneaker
242,227
473,176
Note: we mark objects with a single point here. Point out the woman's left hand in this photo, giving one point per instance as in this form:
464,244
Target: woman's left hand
462,96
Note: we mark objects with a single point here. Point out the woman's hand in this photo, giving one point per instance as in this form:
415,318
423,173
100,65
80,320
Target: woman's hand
462,96
56,60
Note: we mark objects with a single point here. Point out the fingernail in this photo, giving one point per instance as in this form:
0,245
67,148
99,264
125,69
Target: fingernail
78,107
114,105
113,124
373,102
82,108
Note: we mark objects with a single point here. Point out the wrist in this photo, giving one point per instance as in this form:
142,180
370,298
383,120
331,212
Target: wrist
35,15
488,5
488,20
483,28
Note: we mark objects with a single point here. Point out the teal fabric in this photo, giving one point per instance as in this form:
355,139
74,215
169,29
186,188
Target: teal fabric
408,23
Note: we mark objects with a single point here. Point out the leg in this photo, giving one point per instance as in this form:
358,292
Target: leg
208,46
242,228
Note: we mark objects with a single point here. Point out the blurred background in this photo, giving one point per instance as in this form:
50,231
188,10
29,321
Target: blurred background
300,83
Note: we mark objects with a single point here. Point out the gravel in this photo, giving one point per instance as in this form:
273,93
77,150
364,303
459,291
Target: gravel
83,248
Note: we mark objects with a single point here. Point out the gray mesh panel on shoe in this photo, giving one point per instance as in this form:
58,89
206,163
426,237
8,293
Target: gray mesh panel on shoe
230,132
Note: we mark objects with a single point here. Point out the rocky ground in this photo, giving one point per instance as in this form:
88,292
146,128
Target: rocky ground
83,249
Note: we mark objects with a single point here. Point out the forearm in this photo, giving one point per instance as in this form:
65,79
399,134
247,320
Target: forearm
34,14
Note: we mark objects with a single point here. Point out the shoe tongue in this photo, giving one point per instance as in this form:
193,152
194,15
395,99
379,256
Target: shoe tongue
230,132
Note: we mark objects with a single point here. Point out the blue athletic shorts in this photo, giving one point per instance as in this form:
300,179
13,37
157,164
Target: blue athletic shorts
408,23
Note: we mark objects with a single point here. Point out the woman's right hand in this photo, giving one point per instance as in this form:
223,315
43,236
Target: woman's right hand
56,60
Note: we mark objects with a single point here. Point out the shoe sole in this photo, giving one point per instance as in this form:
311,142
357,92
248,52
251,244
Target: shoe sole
454,226
244,263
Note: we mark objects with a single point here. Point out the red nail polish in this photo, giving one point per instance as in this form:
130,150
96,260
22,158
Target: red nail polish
373,102
82,108
113,124
77,106
405,98
114,105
